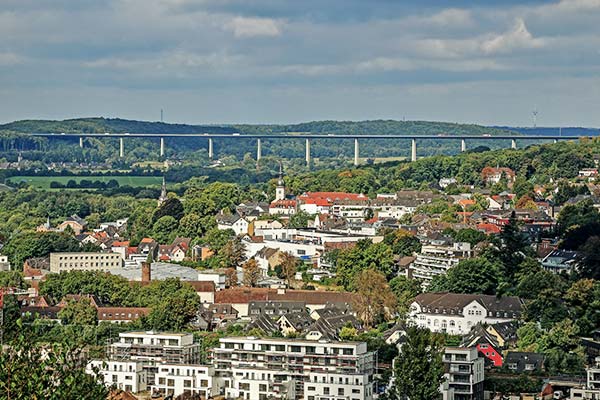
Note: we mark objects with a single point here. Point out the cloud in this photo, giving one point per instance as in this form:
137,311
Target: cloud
10,59
517,38
244,27
450,17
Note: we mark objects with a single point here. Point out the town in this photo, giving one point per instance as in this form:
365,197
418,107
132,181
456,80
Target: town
324,294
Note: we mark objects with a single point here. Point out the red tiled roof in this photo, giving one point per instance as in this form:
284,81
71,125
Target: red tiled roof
488,228
147,240
283,204
202,286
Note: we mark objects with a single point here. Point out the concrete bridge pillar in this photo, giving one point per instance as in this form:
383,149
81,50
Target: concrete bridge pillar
307,153
81,141
162,147
413,153
121,147
463,145
356,152
513,144
210,148
258,150
555,141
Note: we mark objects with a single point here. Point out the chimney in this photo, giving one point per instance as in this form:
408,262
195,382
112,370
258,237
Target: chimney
146,272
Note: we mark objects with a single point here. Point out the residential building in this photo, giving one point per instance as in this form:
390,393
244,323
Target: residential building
257,369
520,362
455,313
154,348
235,222
436,259
591,391
129,376
560,261
464,374
492,175
177,379
84,262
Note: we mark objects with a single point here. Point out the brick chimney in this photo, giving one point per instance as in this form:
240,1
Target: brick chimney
146,272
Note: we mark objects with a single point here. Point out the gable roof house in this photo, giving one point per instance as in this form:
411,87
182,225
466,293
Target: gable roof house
456,314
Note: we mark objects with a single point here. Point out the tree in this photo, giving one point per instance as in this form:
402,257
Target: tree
527,337
165,229
12,279
547,308
470,276
232,254
375,301
405,291
230,277
469,235
299,220
252,272
190,226
171,207
289,265
78,312
590,259
217,238
364,255
513,247
402,242
419,367
173,313
32,371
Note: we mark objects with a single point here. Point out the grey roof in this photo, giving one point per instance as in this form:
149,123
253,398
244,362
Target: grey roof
330,327
444,302
275,307
264,323
299,319
160,271
521,359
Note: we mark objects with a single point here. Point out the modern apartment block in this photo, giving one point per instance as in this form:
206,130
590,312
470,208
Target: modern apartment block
84,262
129,376
154,348
591,391
257,369
436,259
134,360
175,379
464,374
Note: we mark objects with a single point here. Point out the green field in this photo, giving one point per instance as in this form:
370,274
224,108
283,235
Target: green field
43,182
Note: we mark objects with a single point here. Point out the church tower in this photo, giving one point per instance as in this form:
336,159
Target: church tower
163,193
280,189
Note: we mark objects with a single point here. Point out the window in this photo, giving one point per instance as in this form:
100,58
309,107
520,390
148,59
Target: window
347,352
262,388
187,383
311,388
340,391
325,390
356,391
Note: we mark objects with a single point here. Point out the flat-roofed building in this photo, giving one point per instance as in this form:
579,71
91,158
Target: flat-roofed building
129,376
260,368
60,262
177,379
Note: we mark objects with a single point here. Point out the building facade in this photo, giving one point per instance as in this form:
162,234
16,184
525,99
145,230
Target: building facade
129,376
463,374
437,259
84,262
456,314
258,369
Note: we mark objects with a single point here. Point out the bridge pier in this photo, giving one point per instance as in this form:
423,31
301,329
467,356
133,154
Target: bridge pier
356,152
463,145
413,153
121,148
162,147
307,157
258,150
210,148
555,141
81,141
513,144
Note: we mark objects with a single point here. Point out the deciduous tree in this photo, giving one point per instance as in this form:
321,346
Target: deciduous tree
252,272
375,301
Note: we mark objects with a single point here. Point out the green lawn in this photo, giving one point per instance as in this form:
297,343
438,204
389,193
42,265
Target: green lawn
43,182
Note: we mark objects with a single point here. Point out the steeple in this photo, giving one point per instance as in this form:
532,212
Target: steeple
163,193
280,189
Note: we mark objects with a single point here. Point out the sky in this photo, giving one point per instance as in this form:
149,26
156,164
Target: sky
284,61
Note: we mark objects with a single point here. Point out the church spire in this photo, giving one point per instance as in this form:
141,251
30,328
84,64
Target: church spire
280,189
163,192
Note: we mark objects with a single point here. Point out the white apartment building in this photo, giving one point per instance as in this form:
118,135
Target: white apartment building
177,379
257,369
437,259
134,360
129,376
455,313
156,347
591,391
464,374
84,262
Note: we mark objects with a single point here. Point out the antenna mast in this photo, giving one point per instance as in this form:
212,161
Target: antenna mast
534,115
